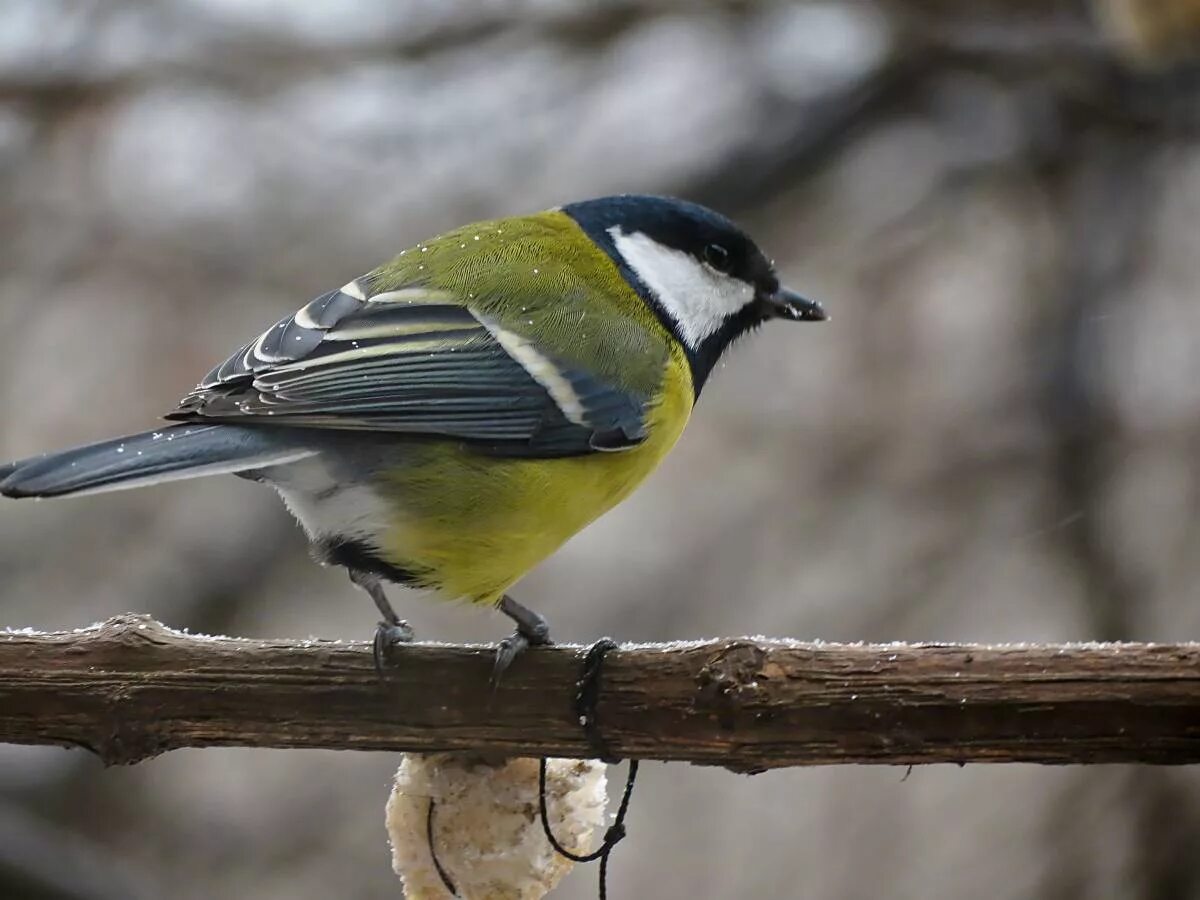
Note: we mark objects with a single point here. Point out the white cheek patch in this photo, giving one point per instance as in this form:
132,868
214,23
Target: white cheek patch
697,297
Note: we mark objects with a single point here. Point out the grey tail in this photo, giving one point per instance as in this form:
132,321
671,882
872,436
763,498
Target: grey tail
171,454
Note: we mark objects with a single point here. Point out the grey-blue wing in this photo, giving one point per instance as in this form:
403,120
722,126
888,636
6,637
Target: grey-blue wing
415,361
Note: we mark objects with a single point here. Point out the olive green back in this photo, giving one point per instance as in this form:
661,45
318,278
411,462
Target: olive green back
541,277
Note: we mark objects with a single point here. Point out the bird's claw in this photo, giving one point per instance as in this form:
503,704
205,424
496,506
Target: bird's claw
510,648
532,631
387,636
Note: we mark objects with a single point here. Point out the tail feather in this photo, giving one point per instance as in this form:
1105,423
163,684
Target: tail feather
174,453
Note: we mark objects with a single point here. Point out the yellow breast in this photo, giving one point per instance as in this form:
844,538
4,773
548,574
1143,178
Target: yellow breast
472,525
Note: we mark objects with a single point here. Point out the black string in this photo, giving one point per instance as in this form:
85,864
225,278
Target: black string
613,836
437,863
587,697
616,832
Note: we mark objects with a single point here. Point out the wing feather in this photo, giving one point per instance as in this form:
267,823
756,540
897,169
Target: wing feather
415,361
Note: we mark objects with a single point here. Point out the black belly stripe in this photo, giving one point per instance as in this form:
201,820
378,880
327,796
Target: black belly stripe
339,551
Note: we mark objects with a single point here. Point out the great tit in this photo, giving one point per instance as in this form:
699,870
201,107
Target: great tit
449,419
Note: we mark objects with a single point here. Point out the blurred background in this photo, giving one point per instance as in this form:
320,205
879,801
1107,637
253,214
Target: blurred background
995,438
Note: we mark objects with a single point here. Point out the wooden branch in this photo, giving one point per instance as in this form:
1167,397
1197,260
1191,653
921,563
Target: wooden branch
130,688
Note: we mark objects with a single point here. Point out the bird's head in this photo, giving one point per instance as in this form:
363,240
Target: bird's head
703,276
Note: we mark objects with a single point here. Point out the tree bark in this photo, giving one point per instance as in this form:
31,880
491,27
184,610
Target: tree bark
131,688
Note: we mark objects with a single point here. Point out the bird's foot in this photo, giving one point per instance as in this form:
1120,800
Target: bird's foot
392,629
532,631
387,636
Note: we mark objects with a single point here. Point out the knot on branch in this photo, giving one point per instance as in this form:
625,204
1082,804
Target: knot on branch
124,643
729,680
132,630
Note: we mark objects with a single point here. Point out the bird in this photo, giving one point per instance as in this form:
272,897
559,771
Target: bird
451,418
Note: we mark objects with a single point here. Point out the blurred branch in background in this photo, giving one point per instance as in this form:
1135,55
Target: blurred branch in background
1153,32
43,862
131,688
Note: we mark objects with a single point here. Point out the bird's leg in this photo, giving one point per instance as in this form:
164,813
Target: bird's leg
532,631
391,629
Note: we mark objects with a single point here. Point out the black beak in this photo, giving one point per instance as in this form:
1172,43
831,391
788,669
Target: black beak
785,304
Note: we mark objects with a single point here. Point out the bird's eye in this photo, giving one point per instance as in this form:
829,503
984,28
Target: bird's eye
718,257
